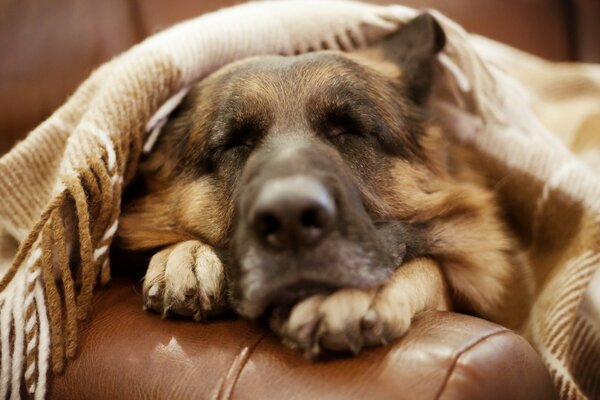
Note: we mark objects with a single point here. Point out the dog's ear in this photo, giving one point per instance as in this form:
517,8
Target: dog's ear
414,48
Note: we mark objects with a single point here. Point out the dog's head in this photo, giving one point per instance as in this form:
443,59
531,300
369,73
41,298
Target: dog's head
308,171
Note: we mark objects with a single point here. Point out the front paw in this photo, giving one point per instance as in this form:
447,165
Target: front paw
346,321
185,279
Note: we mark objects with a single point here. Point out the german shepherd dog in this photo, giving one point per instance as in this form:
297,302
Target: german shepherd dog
315,190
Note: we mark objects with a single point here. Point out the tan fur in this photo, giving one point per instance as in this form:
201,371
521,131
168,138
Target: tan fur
466,236
163,218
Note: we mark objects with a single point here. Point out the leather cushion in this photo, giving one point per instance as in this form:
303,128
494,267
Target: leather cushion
128,353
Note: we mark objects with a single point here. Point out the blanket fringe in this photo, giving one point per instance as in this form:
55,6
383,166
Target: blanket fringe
91,195
31,329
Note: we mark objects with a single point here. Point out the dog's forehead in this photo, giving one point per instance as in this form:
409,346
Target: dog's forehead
292,89
284,73
310,62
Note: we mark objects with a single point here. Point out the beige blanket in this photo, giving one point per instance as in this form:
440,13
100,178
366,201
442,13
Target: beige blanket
60,189
558,214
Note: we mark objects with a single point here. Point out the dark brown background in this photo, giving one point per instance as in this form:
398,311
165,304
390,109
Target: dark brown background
48,47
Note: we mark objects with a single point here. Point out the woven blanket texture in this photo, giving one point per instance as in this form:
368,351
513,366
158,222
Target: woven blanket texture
537,123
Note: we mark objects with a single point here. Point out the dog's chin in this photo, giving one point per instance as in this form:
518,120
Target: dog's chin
267,280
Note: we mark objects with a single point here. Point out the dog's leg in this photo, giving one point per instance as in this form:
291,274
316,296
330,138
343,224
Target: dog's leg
349,319
187,279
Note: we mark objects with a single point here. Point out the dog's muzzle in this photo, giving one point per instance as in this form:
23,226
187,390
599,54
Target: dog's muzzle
300,229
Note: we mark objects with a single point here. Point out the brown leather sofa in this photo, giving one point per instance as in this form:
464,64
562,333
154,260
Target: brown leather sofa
48,47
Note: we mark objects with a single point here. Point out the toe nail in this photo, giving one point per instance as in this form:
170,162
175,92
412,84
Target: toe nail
370,319
153,291
313,352
355,341
304,332
199,316
355,347
290,344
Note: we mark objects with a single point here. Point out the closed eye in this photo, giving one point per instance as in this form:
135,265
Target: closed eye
243,135
238,142
339,124
341,130
231,141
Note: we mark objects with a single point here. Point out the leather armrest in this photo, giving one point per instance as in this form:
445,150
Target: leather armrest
127,353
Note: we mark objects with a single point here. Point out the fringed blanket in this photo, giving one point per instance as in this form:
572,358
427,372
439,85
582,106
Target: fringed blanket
60,188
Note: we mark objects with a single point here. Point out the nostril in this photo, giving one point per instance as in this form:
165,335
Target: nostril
311,219
267,226
270,224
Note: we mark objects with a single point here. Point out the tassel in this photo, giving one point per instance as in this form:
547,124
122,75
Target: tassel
53,299
68,284
75,187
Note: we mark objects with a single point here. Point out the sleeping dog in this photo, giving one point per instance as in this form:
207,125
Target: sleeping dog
317,191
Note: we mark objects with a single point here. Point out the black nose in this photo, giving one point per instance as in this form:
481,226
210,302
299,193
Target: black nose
292,212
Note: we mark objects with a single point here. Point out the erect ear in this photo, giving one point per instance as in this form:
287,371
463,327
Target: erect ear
413,48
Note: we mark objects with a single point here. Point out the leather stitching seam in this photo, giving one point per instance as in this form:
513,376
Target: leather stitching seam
231,376
463,351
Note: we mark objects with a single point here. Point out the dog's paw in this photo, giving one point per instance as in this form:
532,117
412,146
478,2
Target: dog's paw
185,279
344,321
